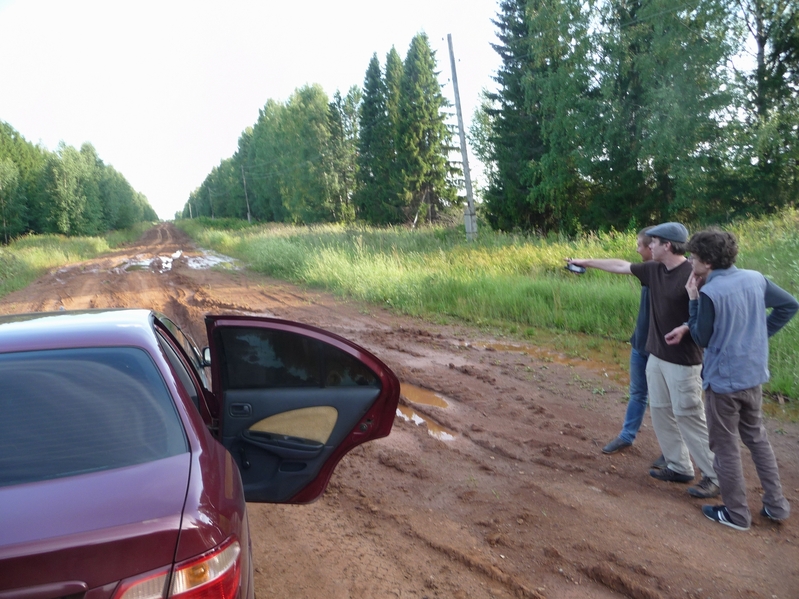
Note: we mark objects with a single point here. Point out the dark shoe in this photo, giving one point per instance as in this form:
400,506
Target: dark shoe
616,445
659,463
719,513
766,514
668,475
705,489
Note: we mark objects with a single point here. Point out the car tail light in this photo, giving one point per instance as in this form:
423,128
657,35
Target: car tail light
214,575
147,586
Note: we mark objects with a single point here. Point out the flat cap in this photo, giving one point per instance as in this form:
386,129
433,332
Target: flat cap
670,232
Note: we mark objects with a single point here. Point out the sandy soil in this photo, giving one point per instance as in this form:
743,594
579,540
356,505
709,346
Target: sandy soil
501,491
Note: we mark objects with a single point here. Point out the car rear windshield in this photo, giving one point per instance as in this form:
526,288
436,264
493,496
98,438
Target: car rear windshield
67,412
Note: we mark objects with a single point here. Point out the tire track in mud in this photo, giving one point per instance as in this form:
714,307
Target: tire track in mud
442,536
443,539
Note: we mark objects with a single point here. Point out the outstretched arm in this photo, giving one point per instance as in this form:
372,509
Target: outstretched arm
614,265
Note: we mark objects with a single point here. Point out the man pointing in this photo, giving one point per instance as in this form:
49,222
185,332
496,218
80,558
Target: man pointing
673,372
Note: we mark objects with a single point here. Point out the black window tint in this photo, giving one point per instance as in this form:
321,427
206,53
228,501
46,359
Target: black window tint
261,358
342,370
258,358
67,412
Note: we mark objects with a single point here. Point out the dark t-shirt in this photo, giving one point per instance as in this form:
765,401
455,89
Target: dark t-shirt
668,301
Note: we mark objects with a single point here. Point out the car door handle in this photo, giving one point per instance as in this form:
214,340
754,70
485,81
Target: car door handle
240,409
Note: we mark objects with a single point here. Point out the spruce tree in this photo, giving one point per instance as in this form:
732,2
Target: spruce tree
373,197
393,87
515,140
555,87
424,139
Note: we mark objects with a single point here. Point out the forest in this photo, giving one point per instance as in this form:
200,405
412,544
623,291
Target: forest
378,154
605,115
68,192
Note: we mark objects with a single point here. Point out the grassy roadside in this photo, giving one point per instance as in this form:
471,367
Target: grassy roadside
514,284
28,257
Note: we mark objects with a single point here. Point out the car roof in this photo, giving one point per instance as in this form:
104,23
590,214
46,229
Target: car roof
84,328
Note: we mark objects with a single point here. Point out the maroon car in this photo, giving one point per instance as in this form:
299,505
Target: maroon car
124,472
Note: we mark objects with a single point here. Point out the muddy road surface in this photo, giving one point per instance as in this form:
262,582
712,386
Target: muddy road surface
492,483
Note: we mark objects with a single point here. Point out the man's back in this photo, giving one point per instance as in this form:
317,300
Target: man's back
736,356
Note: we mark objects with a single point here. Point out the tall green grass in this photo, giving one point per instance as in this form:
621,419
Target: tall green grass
514,282
30,256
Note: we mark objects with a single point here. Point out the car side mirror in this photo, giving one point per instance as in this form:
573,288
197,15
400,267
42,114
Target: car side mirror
206,357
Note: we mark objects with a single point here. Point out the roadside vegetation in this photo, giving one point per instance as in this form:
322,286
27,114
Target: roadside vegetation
514,283
30,256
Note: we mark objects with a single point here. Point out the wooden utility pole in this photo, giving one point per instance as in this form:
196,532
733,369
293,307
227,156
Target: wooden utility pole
469,216
246,199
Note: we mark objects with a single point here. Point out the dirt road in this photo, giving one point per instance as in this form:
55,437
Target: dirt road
502,491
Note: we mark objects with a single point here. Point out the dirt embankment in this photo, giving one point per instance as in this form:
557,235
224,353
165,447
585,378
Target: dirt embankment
501,491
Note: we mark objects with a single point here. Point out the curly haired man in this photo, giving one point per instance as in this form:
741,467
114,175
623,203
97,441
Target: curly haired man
727,316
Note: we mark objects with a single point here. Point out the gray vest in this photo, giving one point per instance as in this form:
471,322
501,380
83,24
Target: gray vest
736,357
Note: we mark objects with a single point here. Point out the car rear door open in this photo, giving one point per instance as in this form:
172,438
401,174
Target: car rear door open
295,399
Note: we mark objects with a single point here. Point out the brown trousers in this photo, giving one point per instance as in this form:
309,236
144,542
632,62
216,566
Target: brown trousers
734,416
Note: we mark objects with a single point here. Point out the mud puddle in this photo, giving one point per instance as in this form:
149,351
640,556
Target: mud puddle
424,397
209,259
162,264
547,355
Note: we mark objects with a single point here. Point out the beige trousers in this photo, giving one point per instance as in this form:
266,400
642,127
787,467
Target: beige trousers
678,416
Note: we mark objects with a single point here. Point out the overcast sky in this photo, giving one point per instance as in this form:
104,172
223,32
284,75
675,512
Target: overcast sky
163,89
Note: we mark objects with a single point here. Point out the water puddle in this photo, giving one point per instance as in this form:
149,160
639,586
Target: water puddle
163,264
424,397
209,259
610,371
160,264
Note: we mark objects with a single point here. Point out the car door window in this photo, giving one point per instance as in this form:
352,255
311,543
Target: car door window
262,359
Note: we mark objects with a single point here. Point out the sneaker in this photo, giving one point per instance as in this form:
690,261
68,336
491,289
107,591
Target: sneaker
659,463
616,445
705,489
719,513
766,514
670,476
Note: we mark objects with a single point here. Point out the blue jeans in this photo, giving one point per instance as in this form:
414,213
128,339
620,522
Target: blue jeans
636,408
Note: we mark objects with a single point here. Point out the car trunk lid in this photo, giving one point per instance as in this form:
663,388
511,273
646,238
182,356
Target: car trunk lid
114,524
